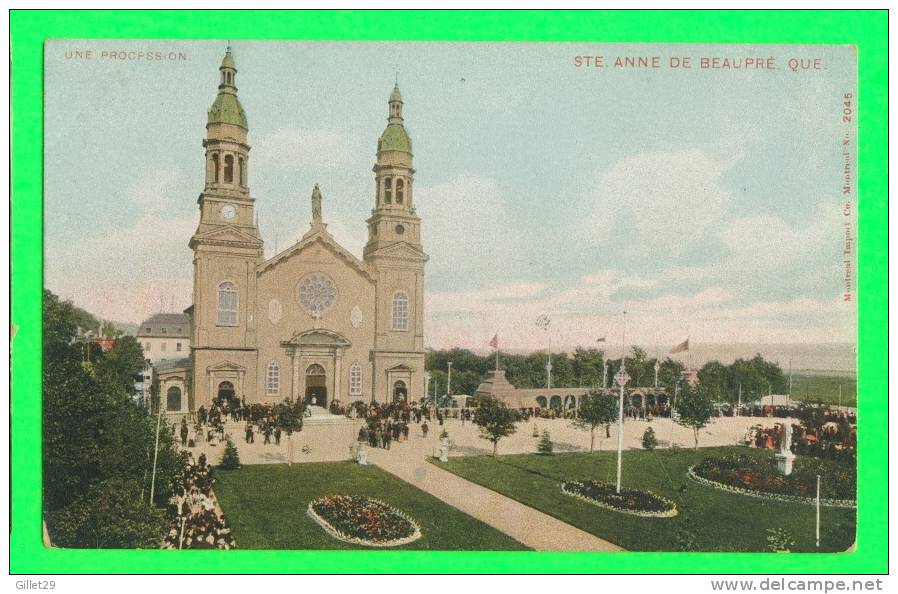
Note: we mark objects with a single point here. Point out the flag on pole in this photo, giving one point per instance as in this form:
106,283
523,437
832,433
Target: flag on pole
600,340
683,346
495,342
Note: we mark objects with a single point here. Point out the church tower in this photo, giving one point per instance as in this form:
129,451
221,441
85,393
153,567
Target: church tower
394,250
227,248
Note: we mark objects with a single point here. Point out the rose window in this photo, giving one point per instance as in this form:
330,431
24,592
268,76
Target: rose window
317,294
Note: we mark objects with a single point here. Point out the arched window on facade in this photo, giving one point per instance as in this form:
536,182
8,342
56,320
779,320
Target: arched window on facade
541,401
229,169
173,399
241,171
400,191
215,167
227,304
355,380
400,311
273,379
388,190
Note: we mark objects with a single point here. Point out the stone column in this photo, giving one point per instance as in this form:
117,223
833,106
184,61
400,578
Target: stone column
338,374
294,389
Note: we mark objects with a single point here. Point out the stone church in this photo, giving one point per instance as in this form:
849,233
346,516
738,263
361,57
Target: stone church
313,322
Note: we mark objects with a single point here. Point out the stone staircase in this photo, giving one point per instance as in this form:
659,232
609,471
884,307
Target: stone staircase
318,415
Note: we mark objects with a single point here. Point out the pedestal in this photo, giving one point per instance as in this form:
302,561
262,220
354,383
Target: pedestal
362,455
784,462
444,450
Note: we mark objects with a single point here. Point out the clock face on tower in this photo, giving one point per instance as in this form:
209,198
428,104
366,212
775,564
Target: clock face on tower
228,212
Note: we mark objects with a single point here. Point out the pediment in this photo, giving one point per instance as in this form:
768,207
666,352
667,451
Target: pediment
400,367
226,366
227,234
318,337
324,241
400,251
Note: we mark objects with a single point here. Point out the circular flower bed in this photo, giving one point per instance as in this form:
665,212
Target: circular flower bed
362,520
759,477
628,501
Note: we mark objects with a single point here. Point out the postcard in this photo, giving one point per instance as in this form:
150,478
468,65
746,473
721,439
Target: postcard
450,296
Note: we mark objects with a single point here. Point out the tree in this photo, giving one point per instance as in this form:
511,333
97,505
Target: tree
94,433
716,377
109,515
588,366
544,446
638,366
596,409
230,458
649,441
695,407
495,421
121,364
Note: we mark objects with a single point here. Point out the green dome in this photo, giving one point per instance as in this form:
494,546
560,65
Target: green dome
394,138
395,95
227,110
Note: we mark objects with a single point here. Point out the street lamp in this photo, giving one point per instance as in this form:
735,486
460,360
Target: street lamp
543,322
426,384
449,382
621,377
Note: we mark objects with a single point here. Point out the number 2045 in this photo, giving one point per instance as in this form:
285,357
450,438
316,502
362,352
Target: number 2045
847,108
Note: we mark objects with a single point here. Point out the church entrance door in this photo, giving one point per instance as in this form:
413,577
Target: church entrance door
400,392
316,386
225,392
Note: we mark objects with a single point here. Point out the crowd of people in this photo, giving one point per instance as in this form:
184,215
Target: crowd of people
829,434
198,523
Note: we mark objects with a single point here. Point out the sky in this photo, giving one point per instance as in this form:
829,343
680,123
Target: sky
705,202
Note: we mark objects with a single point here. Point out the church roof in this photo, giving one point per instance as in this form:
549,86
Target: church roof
165,324
395,138
227,110
325,238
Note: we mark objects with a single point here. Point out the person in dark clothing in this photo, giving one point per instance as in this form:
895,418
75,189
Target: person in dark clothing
267,434
424,429
277,436
184,432
249,433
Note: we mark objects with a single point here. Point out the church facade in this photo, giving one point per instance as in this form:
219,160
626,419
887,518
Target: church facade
314,322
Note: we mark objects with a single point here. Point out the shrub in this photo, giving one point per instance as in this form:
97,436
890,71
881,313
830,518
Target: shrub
649,441
545,444
779,540
230,459
110,515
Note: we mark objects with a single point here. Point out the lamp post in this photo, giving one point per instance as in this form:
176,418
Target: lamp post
449,381
605,374
426,384
657,368
543,322
621,377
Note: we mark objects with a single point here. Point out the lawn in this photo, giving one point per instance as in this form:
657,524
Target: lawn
265,505
711,519
825,389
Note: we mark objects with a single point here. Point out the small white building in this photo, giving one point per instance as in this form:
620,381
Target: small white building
165,336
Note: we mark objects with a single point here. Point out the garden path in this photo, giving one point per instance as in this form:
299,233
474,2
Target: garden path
525,524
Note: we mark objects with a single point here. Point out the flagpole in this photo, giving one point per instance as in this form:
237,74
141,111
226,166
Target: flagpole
497,356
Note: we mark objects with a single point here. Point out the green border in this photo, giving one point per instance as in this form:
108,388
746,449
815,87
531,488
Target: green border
867,30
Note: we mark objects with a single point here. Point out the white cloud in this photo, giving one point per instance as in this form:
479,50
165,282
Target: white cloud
465,228
657,202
